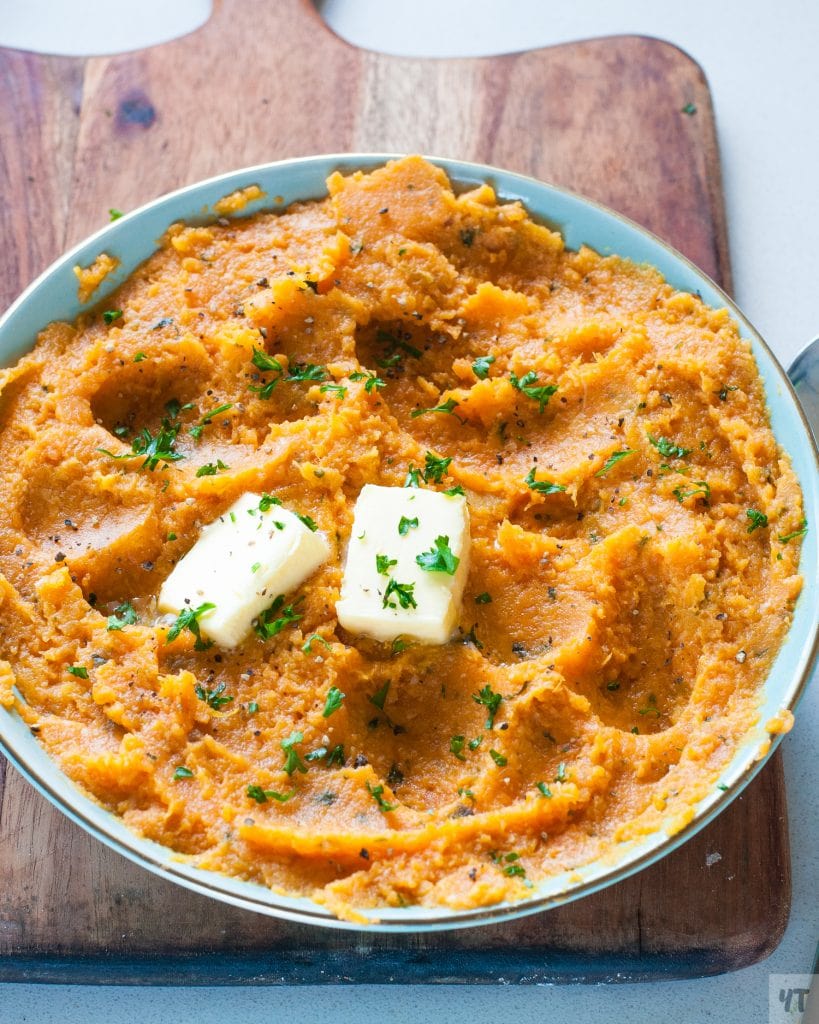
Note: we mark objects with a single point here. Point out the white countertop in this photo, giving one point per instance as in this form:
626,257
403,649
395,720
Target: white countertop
761,63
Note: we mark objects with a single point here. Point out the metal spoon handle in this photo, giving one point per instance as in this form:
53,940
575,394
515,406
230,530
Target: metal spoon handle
804,375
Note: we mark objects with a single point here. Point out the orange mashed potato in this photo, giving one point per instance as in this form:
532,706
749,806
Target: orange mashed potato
635,540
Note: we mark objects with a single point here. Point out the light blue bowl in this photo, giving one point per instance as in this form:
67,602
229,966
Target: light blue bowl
132,239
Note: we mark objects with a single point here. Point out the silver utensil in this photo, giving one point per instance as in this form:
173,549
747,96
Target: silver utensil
804,375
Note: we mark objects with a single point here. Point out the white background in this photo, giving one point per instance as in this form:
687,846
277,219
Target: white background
762,64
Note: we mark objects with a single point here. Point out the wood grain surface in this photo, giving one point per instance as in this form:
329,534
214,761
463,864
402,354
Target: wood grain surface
264,81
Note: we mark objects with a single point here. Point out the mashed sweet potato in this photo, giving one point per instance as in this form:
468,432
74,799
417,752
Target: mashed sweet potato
635,539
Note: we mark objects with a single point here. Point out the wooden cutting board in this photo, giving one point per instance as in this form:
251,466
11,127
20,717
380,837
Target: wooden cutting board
262,81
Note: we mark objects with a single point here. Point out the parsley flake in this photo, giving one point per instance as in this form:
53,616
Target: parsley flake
527,385
700,487
380,696
435,469
307,646
335,698
261,796
447,407
403,592
544,790
78,670
383,563
376,792
758,520
110,315
211,468
215,698
542,486
613,459
372,381
481,366
803,529
292,761
124,615
440,558
499,759
668,449
405,525
189,619
491,701
456,747
276,618
182,773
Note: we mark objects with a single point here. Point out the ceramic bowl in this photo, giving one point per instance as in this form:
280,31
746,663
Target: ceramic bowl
132,239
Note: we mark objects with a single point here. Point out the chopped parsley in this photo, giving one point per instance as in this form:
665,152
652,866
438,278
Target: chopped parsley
78,670
450,492
335,698
267,502
527,385
405,525
196,430
334,389
403,592
308,521
110,315
380,696
613,459
139,357
276,618
269,365
474,744
261,796
115,214
803,529
307,646
215,698
491,701
542,486
383,563
446,407
456,747
211,468
155,449
253,708
124,615
440,558
484,598
189,619
544,790
182,773
758,520
413,477
372,380
435,469
499,759
376,792
689,108
292,761
481,366
306,372
700,487
668,449
336,756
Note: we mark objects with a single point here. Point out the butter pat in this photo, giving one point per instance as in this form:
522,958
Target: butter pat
241,563
366,604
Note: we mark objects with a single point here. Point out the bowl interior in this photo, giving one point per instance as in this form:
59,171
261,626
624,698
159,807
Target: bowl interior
133,239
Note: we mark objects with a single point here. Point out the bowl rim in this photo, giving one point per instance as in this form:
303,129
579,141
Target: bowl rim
510,186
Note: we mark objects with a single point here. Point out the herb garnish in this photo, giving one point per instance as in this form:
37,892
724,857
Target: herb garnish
269,365
450,492
544,790
270,623
78,670
335,389
542,486
700,487
456,747
803,529
182,773
124,615
758,519
403,591
372,380
491,701
447,407
499,759
308,521
268,501
211,468
335,698
196,430
527,386
689,109
383,563
440,558
110,315
115,214
140,357
292,761
306,372
613,459
189,619
413,477
380,695
376,792
261,796
668,449
561,772
405,525
484,598
435,469
481,366
215,698
307,646
155,449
